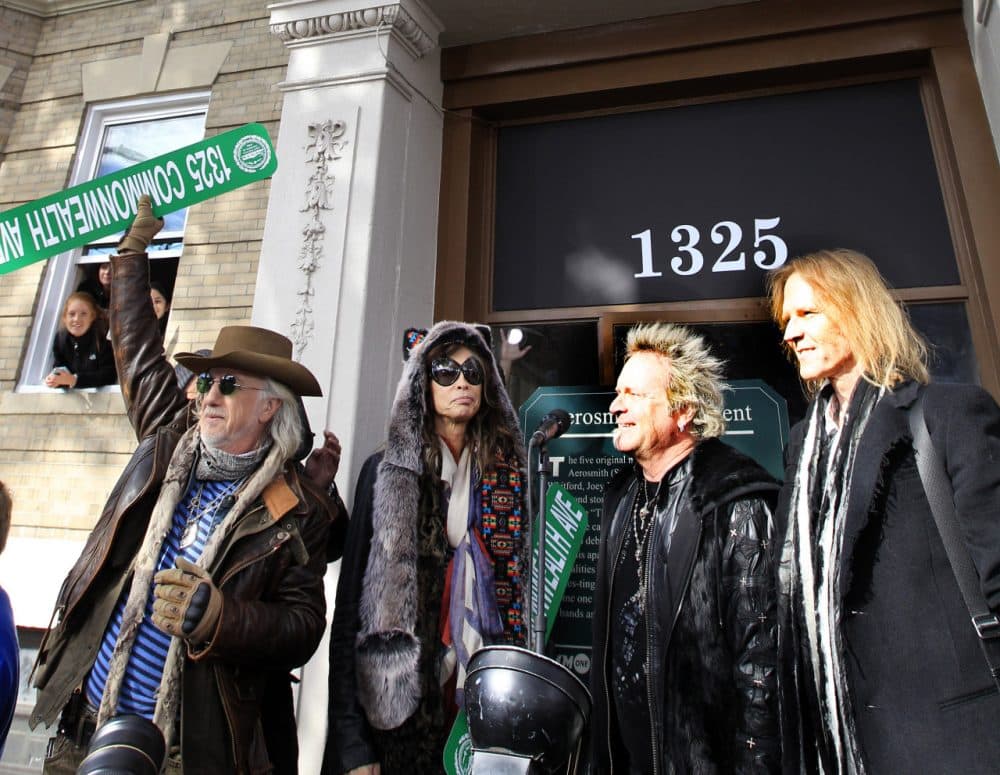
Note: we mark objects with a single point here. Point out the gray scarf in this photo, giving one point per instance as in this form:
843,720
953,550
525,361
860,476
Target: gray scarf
214,465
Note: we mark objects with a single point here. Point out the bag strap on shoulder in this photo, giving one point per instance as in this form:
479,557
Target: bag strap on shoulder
941,497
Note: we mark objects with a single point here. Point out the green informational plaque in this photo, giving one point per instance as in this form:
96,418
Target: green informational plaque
565,526
106,205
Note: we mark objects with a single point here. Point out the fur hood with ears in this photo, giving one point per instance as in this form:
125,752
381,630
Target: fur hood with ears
388,650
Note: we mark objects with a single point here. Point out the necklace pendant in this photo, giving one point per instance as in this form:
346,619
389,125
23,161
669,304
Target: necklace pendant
644,512
189,535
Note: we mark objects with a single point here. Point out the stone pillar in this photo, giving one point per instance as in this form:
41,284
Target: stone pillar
350,241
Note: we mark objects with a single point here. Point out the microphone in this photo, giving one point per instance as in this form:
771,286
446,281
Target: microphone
554,424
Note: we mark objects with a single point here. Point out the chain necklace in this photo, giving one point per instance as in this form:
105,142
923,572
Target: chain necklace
196,512
642,526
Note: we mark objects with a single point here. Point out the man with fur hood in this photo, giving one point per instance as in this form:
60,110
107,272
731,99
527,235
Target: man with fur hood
683,673
201,585
432,566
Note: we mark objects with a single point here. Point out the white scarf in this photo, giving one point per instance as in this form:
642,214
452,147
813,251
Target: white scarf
819,597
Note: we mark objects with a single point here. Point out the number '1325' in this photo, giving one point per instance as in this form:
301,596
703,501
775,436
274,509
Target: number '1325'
770,249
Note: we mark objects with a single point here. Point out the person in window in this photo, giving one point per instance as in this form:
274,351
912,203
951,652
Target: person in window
9,652
81,353
98,285
161,305
431,569
881,667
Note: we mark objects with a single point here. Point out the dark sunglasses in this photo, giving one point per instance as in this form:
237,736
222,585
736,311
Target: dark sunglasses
227,384
445,371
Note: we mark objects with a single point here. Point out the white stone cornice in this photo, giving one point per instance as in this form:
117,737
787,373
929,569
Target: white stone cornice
393,18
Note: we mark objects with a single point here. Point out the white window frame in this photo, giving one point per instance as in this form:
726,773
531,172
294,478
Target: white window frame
61,272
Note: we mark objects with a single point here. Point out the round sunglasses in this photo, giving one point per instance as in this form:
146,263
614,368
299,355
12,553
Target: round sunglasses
227,384
445,371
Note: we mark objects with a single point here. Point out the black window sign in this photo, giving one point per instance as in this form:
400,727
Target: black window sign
698,202
584,459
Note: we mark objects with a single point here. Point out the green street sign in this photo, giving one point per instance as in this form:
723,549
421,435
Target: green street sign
565,526
106,205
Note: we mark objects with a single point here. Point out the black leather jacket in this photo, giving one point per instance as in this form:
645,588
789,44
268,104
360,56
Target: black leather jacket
711,621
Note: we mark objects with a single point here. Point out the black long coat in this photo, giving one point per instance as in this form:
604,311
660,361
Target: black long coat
922,697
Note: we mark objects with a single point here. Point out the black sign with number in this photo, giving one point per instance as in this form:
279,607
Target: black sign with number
698,202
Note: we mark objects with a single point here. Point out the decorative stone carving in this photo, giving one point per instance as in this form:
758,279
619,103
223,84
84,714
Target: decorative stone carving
393,17
325,147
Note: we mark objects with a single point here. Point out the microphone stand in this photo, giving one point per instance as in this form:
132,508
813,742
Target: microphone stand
523,708
544,471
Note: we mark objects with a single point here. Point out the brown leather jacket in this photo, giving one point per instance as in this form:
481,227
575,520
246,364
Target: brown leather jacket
270,571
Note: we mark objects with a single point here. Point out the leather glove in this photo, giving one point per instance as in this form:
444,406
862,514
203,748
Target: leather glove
186,602
143,228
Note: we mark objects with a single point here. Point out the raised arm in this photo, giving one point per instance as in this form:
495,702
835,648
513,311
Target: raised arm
150,391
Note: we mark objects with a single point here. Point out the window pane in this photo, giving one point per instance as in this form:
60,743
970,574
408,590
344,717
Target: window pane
548,354
946,328
129,144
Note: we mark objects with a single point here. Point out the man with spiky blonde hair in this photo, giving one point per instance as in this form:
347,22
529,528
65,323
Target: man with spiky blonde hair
683,676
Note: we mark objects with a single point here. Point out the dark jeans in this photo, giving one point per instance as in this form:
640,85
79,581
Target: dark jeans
68,748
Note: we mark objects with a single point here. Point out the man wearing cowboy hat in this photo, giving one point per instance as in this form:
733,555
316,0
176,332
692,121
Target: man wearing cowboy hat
201,585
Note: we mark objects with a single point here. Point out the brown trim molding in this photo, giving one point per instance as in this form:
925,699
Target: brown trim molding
763,20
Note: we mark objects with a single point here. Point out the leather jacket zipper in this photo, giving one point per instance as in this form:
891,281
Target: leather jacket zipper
651,704
673,626
607,638
229,717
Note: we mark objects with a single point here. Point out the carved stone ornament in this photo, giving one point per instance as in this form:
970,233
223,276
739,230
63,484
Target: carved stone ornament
392,17
325,147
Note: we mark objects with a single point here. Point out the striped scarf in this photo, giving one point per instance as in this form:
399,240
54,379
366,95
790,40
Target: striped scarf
812,547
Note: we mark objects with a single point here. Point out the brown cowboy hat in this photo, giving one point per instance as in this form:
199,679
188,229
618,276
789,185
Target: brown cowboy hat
257,351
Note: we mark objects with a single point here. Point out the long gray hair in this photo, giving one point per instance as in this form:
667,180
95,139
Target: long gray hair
285,428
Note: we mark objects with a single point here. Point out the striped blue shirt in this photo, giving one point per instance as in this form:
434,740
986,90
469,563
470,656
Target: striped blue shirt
201,509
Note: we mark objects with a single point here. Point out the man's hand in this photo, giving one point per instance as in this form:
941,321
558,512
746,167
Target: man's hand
186,602
322,463
366,769
143,228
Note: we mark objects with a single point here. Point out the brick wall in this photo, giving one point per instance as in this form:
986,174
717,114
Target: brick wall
61,453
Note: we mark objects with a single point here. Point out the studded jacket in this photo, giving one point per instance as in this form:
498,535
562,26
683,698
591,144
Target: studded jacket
711,621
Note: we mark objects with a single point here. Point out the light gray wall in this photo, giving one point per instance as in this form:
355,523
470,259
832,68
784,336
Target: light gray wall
984,40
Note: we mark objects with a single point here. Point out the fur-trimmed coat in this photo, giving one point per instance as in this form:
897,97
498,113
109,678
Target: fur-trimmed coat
386,704
712,621
270,572
921,694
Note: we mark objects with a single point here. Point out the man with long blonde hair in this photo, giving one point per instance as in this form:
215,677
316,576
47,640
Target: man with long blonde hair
880,666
